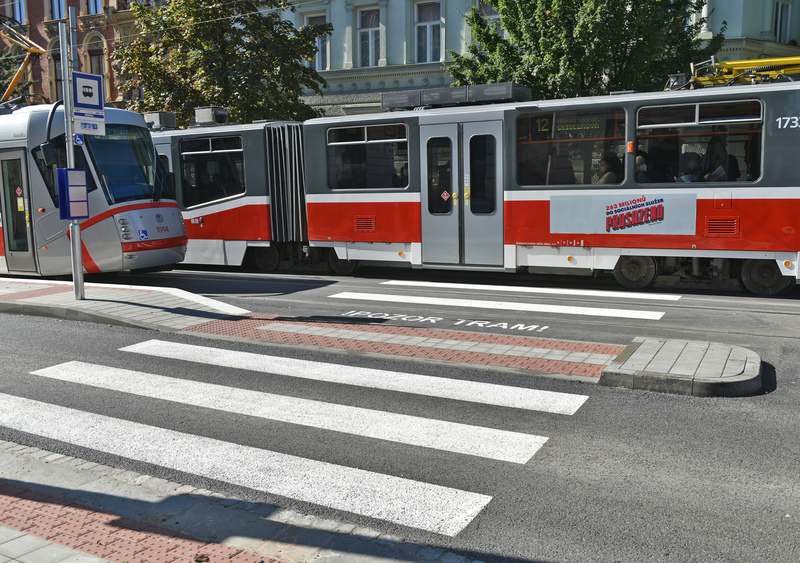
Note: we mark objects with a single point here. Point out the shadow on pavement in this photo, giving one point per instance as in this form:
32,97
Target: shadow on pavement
195,521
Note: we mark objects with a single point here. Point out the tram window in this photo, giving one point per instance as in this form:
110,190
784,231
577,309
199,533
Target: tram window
565,148
386,132
668,115
346,135
226,143
50,173
195,145
164,162
440,177
14,212
211,169
722,144
126,164
368,157
483,175
730,111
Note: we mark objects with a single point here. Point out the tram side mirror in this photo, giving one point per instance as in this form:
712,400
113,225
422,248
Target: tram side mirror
48,153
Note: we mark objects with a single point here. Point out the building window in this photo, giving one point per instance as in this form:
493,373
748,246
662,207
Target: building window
429,32
59,88
782,21
58,9
20,10
320,62
369,38
97,63
94,6
491,14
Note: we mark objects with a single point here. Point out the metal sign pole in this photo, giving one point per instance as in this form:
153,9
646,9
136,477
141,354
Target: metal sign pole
74,227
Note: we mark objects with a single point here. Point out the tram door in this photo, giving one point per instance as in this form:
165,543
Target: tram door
462,194
16,218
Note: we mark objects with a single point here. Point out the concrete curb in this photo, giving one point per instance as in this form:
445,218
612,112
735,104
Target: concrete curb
700,369
69,314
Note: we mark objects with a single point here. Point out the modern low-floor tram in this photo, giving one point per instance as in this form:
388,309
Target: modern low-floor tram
134,221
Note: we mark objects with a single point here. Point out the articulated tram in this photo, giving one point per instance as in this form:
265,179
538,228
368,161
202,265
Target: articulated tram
693,184
134,222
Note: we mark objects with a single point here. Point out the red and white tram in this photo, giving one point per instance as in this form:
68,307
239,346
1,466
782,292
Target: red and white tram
134,222
695,184
240,189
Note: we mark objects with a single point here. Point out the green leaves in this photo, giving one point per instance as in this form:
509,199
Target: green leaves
192,53
569,48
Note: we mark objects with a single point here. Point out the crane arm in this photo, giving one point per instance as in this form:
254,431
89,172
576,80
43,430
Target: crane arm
715,73
31,49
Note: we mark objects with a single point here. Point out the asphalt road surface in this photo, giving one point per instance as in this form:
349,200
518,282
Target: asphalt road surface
574,472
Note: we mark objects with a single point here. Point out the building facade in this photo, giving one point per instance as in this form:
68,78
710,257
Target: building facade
377,45
101,24
412,39
756,29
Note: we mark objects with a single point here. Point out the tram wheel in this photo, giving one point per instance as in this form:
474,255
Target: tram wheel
267,258
340,267
764,278
636,272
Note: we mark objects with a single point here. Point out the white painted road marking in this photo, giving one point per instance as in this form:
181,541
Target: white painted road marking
466,439
181,294
434,508
460,390
539,290
501,305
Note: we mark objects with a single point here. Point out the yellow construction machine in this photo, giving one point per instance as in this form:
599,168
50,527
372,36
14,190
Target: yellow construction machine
8,30
753,71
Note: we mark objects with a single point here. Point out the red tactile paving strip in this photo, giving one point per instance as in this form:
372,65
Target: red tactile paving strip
48,290
107,536
246,326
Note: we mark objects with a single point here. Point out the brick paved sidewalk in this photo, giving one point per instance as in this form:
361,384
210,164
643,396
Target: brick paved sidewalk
519,352
105,535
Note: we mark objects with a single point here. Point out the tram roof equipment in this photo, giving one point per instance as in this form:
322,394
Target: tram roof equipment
728,73
456,96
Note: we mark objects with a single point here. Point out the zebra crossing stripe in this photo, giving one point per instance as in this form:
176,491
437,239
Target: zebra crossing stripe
500,305
425,506
460,390
466,439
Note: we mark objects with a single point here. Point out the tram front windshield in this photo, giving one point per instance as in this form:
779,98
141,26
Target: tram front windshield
124,158
127,164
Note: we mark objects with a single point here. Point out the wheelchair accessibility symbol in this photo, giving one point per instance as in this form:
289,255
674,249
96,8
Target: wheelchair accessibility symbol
143,235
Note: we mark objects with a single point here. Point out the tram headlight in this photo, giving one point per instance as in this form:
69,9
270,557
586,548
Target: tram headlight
122,221
127,236
125,229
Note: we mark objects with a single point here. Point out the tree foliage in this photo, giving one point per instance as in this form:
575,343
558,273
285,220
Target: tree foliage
8,67
9,64
239,54
569,48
